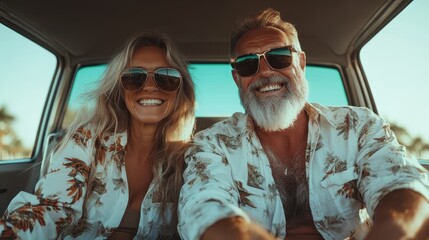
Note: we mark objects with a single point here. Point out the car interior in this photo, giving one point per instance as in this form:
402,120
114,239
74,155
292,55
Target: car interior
86,34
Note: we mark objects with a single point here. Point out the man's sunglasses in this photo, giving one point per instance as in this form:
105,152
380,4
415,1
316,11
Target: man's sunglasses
166,79
277,58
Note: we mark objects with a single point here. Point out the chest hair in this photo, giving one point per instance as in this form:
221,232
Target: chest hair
292,184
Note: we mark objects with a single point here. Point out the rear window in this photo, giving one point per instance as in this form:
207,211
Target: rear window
216,92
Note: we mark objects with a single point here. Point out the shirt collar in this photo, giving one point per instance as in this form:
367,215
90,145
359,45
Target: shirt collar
316,112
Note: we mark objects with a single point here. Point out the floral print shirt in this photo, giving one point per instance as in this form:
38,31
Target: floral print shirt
352,160
56,211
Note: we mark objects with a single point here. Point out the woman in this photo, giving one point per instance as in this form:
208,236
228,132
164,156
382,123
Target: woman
118,170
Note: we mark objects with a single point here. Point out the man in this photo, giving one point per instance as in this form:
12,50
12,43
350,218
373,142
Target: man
291,169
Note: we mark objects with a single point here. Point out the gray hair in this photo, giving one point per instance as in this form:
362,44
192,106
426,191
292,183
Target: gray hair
264,19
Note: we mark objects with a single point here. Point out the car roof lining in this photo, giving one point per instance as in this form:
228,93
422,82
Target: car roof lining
95,30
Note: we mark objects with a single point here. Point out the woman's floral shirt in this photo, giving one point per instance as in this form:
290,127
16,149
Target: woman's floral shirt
352,160
56,211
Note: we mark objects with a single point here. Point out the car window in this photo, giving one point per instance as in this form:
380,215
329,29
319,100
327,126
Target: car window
216,92
26,71
85,80
396,69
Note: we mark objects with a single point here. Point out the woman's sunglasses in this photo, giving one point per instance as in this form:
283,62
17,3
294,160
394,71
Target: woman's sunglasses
277,58
166,79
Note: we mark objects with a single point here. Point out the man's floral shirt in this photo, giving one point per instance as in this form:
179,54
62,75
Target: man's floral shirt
352,160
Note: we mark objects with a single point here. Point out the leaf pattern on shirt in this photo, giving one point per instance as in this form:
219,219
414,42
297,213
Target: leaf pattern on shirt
53,170
254,176
230,142
200,168
118,153
350,190
63,222
279,229
364,132
104,231
395,168
7,232
81,136
99,186
119,183
365,171
77,167
379,142
80,227
38,191
100,151
244,195
334,165
350,123
255,151
25,217
319,144
225,161
308,149
193,150
383,139
272,192
388,133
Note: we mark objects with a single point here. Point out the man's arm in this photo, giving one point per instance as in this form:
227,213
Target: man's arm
208,193
236,228
208,206
401,214
394,186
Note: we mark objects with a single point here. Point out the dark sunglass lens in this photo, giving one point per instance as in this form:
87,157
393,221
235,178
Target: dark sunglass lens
247,65
133,79
279,58
168,79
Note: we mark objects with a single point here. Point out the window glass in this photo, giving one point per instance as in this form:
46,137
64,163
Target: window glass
326,86
85,80
26,71
216,92
395,65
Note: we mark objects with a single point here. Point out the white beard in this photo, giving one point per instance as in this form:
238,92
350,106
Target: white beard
276,112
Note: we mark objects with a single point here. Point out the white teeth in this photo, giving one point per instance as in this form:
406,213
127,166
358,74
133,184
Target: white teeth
270,88
150,102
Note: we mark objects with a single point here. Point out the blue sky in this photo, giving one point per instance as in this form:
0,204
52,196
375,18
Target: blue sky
395,64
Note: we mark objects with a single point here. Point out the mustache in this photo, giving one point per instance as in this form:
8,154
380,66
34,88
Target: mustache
258,83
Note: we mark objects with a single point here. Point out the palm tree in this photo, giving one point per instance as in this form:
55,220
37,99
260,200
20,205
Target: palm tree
414,144
5,130
10,145
5,116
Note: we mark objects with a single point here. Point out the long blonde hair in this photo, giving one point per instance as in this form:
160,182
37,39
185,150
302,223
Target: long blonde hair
110,116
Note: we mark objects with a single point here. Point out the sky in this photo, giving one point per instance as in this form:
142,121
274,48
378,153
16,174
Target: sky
395,63
24,83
